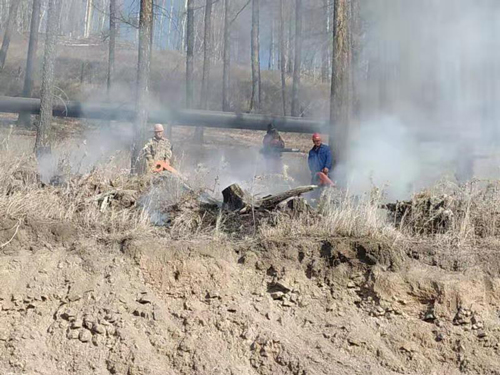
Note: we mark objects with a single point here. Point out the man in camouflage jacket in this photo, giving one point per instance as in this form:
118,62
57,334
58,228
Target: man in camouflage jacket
158,148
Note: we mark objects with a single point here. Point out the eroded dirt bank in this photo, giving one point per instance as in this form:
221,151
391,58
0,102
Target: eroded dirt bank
70,304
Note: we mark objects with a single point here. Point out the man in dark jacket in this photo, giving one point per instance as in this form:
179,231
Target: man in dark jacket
273,145
320,159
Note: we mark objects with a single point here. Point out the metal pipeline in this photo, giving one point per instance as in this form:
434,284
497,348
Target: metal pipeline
126,112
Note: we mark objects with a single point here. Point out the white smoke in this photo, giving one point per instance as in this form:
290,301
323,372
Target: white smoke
428,93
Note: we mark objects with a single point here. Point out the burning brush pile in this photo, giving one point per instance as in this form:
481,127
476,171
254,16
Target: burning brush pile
171,203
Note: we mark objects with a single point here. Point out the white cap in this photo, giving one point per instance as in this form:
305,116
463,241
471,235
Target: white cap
158,128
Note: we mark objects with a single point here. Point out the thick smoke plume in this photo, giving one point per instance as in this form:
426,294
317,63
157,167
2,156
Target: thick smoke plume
428,92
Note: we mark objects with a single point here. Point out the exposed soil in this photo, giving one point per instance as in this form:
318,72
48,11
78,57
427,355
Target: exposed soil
72,304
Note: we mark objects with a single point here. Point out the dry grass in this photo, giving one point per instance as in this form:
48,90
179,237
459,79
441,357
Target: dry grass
340,215
458,224
448,216
23,196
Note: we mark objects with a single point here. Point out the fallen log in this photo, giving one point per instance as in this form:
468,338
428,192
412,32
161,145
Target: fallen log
296,205
236,199
272,201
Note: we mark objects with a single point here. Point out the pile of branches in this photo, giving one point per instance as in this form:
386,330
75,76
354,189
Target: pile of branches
425,214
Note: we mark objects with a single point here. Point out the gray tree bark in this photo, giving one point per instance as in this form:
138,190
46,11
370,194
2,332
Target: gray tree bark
226,70
290,41
43,134
190,54
341,90
112,43
207,55
271,46
255,55
283,55
325,51
24,118
11,21
143,76
298,59
88,18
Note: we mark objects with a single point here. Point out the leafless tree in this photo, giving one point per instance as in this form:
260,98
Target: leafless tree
190,54
112,42
88,18
298,59
227,57
341,90
255,47
207,53
14,5
24,118
283,55
325,51
43,134
143,76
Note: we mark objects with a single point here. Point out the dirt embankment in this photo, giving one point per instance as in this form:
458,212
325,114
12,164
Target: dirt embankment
71,304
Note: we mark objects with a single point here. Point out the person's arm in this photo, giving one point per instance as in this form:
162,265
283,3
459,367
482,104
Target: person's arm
310,161
281,142
168,150
328,160
147,152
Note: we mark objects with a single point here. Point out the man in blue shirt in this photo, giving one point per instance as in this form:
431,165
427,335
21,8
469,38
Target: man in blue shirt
320,159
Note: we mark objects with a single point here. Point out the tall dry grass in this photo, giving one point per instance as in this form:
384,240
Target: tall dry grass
447,215
340,214
23,196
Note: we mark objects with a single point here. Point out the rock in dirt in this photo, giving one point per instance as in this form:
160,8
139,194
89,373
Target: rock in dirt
69,314
277,295
481,334
72,335
144,299
100,329
85,336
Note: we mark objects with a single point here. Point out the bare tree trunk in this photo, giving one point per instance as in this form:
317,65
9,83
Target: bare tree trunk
11,21
207,55
271,46
290,41
340,100
255,46
283,55
184,24
24,118
298,59
227,58
325,50
112,43
143,75
170,22
43,134
190,54
356,57
88,18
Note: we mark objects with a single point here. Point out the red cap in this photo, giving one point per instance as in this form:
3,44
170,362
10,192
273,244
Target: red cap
316,136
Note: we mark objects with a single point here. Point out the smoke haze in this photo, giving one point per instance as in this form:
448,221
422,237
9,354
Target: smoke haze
428,89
